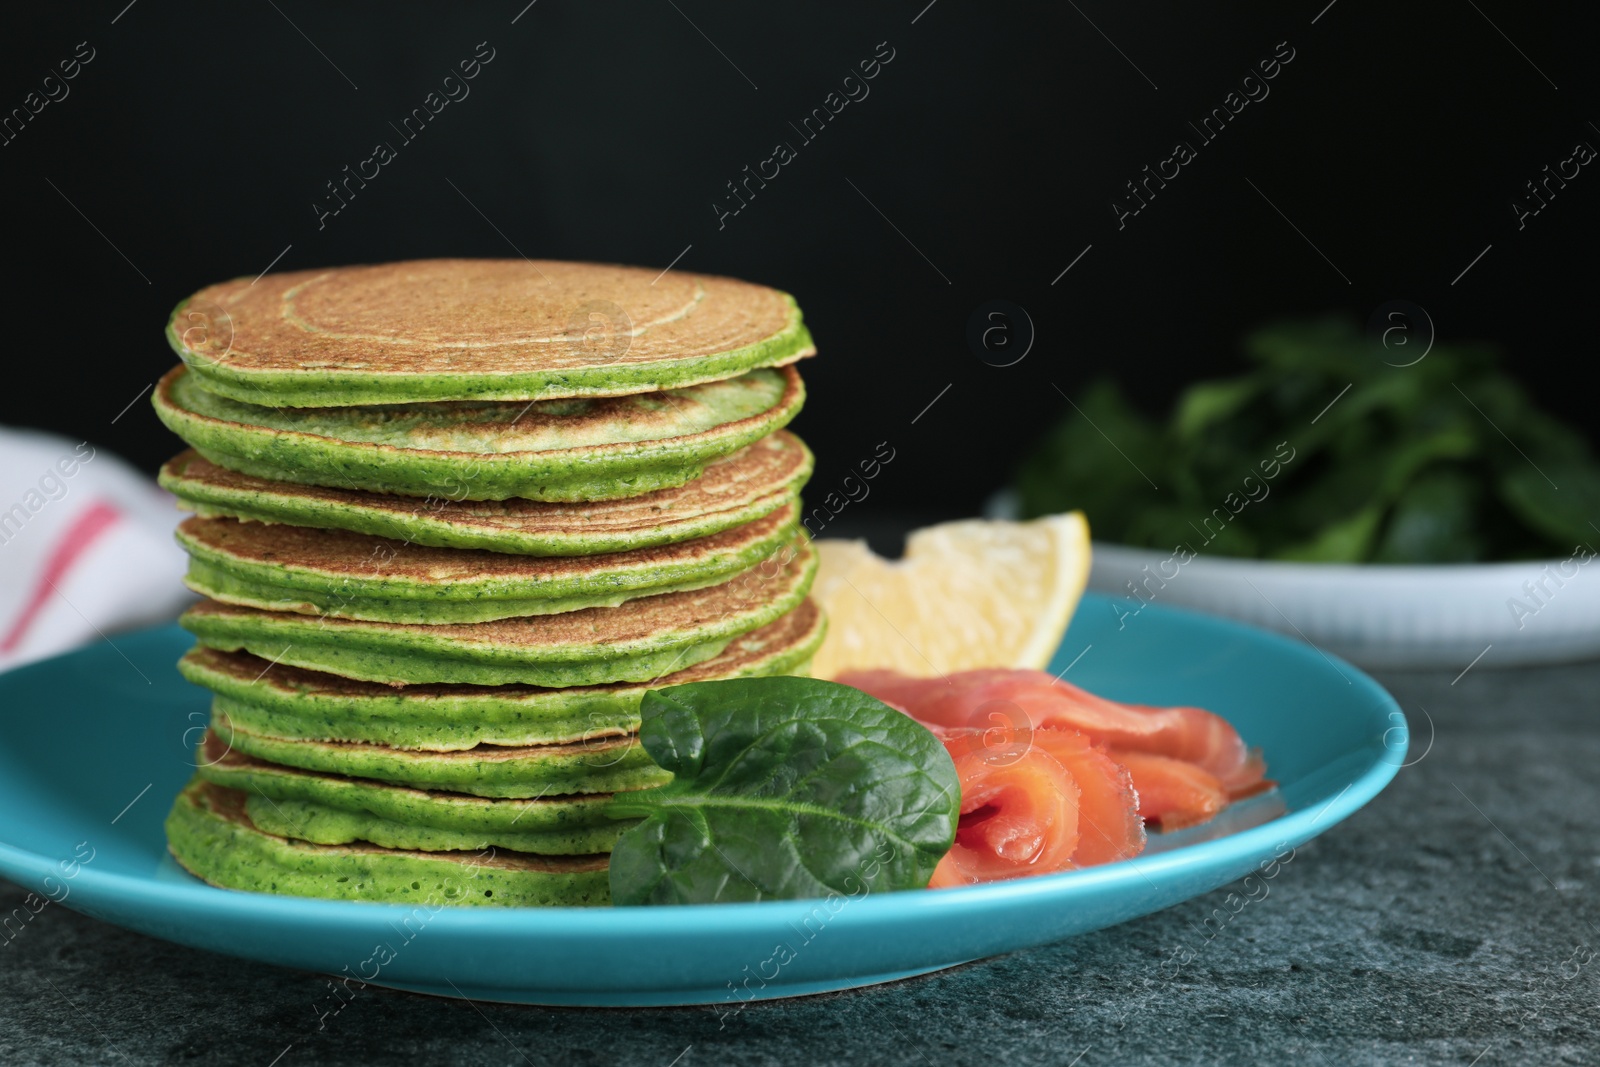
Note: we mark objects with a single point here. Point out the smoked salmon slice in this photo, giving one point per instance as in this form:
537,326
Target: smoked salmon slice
1173,793
1012,820
1110,823
974,698
1054,777
1018,816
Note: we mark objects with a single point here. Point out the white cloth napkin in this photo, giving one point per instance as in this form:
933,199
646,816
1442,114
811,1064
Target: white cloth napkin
86,547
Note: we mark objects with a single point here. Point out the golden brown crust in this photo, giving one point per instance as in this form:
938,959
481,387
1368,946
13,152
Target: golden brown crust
639,621
341,553
229,804
218,753
787,631
764,470
479,316
502,421
598,745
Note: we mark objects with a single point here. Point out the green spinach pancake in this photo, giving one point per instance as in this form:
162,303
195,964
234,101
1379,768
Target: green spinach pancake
355,576
557,450
606,764
636,642
478,329
333,809
752,483
211,835
279,700
552,450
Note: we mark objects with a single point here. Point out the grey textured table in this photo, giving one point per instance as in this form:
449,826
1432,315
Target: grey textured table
1452,921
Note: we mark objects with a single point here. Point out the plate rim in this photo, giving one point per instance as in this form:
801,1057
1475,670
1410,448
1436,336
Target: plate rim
208,902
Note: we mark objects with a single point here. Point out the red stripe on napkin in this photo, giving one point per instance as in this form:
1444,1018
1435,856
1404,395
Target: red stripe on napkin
89,525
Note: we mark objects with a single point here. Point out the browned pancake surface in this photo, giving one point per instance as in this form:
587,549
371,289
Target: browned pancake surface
787,631
643,620
763,470
344,553
476,316
229,804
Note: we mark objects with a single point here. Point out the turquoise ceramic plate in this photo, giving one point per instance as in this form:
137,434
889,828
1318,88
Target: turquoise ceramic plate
94,745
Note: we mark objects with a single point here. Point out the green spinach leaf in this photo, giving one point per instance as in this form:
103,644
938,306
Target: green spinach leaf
784,788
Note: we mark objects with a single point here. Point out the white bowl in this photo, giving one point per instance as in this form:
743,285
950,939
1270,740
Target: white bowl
1375,615
1379,615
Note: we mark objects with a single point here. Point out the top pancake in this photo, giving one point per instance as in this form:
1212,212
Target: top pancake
465,329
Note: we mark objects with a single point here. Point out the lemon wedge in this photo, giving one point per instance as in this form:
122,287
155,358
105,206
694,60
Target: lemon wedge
968,594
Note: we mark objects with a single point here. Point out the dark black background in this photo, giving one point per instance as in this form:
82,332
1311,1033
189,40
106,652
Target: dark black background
200,135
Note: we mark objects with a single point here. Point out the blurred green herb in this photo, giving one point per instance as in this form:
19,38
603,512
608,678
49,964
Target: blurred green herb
1443,461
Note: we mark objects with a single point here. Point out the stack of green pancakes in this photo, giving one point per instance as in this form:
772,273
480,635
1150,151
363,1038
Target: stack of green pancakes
452,519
